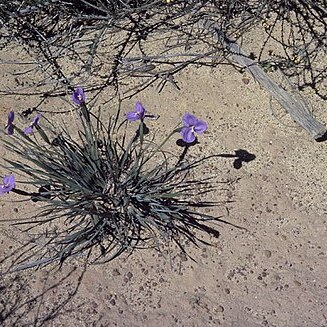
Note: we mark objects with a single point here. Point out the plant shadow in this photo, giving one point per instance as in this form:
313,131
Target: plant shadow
241,156
37,298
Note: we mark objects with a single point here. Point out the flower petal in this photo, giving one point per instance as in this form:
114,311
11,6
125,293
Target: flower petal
2,190
28,130
9,180
132,116
189,120
188,135
36,119
10,129
11,117
78,96
9,184
200,126
140,109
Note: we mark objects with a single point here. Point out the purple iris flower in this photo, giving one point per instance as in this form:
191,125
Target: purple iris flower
192,125
138,113
29,129
9,183
10,126
78,96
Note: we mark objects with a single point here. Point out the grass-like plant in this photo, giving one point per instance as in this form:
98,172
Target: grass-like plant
102,189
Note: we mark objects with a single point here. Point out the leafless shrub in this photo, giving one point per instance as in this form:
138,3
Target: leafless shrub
102,43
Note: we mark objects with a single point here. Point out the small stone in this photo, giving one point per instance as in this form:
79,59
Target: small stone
220,308
297,283
276,277
246,80
129,275
183,257
112,302
115,272
267,253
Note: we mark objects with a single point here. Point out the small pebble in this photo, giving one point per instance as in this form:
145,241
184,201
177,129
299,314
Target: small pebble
220,308
183,257
297,283
245,80
115,272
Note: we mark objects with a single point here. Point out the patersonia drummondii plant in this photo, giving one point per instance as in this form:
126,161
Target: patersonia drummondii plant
106,190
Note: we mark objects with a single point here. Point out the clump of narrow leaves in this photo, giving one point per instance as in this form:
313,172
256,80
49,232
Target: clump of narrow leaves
103,191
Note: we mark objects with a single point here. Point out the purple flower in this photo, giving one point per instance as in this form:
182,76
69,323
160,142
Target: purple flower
78,96
10,127
192,125
29,129
138,113
8,184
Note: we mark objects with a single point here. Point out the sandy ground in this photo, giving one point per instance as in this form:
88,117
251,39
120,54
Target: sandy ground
271,273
